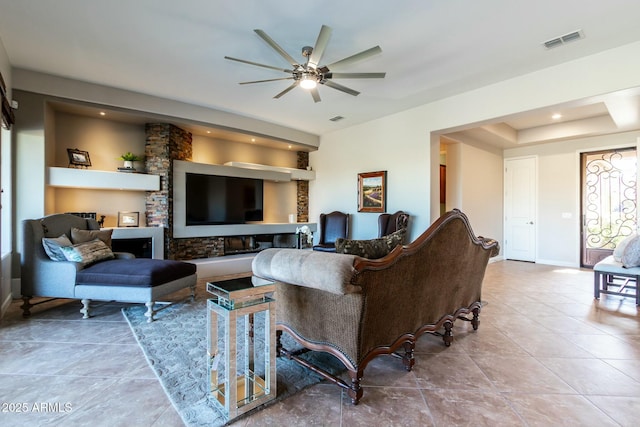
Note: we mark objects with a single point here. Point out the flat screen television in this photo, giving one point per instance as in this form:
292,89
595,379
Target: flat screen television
217,199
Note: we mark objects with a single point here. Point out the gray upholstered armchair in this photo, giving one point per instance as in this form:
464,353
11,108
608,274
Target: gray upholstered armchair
357,309
85,267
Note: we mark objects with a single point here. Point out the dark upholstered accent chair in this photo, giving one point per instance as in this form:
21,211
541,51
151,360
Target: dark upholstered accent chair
332,226
118,277
390,223
357,309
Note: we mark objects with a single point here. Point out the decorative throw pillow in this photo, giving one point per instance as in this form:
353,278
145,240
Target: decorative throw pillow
52,246
619,250
87,252
372,249
631,254
81,236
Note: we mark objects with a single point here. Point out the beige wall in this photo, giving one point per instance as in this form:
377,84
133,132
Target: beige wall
480,189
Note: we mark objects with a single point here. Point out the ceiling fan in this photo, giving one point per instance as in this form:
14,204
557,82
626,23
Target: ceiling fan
309,74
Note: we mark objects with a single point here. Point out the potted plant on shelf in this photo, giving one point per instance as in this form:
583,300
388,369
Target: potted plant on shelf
128,159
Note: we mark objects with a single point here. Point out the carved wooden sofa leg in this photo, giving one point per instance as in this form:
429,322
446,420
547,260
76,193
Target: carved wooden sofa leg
355,391
407,357
448,333
475,322
408,360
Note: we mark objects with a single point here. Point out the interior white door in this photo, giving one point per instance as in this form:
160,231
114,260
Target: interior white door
520,209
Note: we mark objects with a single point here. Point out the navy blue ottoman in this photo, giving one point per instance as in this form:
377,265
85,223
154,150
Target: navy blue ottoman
138,280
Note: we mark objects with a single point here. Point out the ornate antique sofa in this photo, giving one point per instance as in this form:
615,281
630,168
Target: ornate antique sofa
356,308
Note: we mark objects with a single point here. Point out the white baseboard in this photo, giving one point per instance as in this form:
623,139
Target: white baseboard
558,263
16,288
5,305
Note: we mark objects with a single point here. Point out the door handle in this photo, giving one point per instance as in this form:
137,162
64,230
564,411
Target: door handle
530,223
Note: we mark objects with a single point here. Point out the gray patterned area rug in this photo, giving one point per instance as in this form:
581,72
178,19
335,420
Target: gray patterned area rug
175,347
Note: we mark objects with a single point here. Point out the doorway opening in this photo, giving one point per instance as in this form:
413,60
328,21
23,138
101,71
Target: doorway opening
609,202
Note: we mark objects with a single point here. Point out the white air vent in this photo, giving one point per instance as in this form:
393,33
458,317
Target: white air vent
559,41
336,118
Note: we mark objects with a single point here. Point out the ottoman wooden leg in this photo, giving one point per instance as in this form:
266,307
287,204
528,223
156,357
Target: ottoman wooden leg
85,308
149,313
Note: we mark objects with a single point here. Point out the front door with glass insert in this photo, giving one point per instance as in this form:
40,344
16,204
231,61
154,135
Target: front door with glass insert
609,205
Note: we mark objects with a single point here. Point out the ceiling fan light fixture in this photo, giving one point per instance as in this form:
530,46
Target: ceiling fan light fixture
308,82
310,74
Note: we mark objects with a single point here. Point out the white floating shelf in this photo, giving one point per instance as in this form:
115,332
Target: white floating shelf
296,174
102,180
181,167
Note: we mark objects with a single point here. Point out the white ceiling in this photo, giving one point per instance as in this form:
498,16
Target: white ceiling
431,49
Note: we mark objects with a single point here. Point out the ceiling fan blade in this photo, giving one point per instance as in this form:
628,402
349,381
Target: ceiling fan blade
340,87
355,75
315,94
264,81
276,47
284,92
321,44
258,64
357,57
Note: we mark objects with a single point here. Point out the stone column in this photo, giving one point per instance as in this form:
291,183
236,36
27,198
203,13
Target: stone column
164,143
302,189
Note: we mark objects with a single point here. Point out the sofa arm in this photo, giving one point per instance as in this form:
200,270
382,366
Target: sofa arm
325,271
50,278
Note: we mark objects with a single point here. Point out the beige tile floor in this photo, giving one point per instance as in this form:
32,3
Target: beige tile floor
546,354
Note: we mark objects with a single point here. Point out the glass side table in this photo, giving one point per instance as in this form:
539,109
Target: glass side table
241,344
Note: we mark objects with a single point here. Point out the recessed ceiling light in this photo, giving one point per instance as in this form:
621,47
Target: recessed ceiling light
102,113
289,147
556,116
208,131
253,140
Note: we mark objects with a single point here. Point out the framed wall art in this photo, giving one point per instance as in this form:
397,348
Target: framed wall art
372,191
128,219
78,157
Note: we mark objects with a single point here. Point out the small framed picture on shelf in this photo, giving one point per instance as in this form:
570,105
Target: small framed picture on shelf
128,219
78,157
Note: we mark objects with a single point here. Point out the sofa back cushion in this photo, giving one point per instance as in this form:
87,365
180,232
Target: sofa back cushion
371,249
87,252
82,236
52,246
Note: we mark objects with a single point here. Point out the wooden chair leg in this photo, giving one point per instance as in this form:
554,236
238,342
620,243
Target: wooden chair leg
26,306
